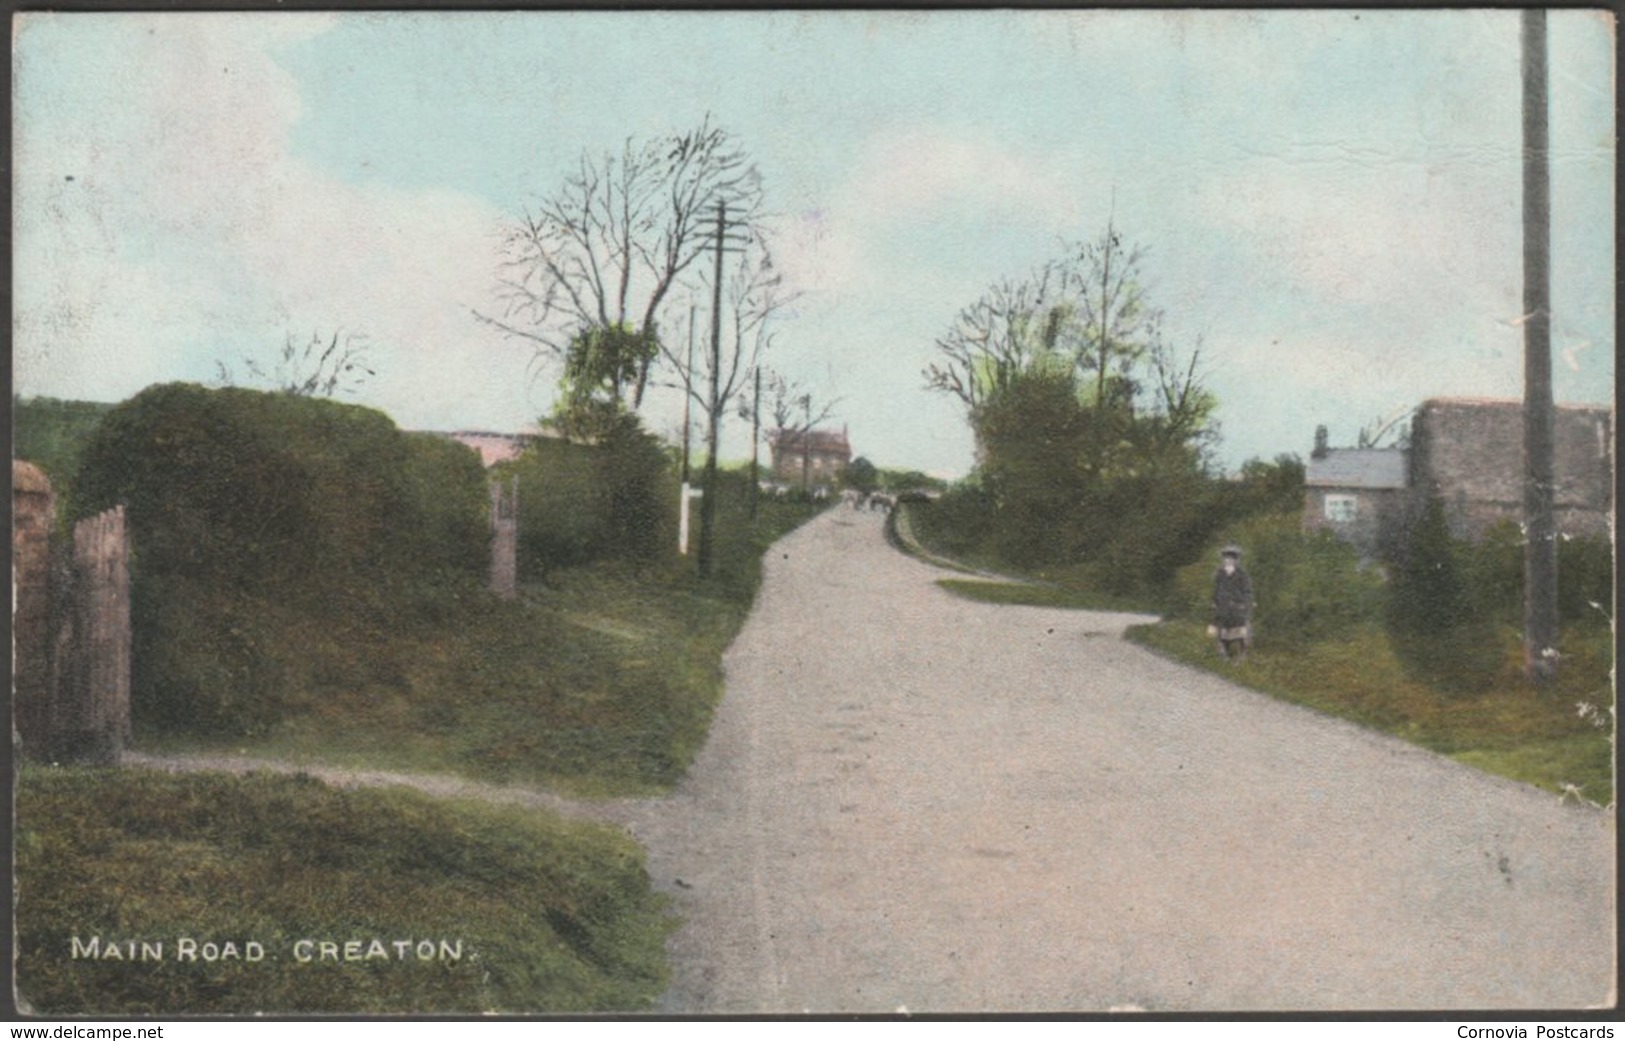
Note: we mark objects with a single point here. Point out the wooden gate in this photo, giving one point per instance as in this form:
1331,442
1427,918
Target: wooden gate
90,647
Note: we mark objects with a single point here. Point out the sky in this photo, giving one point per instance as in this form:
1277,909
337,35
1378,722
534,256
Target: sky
1329,200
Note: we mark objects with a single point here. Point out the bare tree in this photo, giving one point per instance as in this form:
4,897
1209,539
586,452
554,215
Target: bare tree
1182,402
1086,310
1006,332
1390,428
1104,279
319,367
607,248
795,414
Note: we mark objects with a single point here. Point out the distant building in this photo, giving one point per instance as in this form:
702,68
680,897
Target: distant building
1469,453
818,456
1359,494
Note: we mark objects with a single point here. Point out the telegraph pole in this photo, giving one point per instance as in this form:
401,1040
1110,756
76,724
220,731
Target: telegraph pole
1540,528
755,439
708,502
688,388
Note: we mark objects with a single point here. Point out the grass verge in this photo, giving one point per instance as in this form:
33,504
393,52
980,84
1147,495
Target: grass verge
522,911
1038,595
600,681
1552,737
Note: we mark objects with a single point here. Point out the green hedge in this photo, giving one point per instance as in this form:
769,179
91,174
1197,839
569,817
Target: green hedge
268,530
51,433
580,503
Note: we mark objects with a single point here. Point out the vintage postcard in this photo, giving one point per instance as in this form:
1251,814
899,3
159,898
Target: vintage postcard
813,512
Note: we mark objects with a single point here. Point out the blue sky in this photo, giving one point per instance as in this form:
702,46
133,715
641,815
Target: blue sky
1329,200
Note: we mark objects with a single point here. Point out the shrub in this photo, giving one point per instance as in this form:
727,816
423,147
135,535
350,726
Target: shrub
1443,634
1585,580
616,499
1308,585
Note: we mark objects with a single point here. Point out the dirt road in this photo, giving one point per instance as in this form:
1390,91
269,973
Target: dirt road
909,800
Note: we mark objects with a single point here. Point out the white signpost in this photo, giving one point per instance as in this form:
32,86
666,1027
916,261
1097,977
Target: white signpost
683,496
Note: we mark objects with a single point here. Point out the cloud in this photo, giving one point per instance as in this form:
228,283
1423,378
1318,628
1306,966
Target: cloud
189,234
924,171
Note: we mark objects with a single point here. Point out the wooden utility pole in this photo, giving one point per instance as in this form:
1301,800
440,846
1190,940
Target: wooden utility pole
1540,529
806,446
755,440
688,391
708,503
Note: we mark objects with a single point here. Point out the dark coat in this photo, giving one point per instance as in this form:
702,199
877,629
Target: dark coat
1232,599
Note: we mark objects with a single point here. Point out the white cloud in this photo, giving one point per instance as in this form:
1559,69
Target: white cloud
188,227
924,170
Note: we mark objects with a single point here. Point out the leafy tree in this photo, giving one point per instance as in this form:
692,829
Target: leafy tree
1087,312
1116,322
861,475
1008,331
1092,429
599,363
1040,453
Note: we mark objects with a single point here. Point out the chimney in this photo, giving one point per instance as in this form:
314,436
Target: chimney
1321,450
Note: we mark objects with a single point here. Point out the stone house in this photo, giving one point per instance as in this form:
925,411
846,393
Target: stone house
817,456
1359,494
1468,452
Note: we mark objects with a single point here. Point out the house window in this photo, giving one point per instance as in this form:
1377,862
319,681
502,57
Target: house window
1341,509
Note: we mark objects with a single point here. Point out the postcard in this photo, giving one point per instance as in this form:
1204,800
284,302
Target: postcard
808,512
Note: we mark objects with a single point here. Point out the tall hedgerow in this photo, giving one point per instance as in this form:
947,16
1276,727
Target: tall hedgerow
271,531
615,499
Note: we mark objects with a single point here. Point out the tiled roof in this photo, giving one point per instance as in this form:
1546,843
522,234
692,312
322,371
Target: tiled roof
817,440
1358,468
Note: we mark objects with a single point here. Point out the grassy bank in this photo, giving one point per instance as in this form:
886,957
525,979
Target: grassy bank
602,680
523,912
1541,736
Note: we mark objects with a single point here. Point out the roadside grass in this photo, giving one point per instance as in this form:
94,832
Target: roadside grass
1541,736
600,681
1039,595
548,915
1064,588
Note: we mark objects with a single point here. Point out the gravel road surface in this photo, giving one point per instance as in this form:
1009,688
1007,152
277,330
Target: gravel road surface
913,801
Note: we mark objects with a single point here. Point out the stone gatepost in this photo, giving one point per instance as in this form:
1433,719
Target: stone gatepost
33,514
